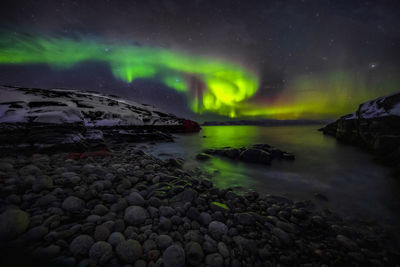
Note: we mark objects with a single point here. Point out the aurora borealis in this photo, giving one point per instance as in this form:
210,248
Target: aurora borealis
225,85
281,60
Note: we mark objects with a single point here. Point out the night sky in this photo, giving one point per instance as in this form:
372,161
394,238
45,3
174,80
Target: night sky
306,59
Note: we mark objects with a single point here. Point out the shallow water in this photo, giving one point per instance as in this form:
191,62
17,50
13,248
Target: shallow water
355,185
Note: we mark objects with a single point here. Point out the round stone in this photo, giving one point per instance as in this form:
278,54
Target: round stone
80,246
194,253
115,238
101,252
174,256
164,241
214,260
135,199
217,229
73,204
100,210
101,233
135,215
13,222
129,251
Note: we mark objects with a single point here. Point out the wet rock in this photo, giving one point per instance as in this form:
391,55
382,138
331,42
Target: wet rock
223,249
253,155
129,251
194,253
214,260
164,241
203,157
101,233
135,199
80,246
193,214
217,229
115,238
135,215
282,235
13,222
174,256
100,210
73,204
346,242
101,252
36,233
217,206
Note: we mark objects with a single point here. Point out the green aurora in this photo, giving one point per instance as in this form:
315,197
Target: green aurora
211,85
220,85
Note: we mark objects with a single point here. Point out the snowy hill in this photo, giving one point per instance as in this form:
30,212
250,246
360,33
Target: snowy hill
23,105
62,119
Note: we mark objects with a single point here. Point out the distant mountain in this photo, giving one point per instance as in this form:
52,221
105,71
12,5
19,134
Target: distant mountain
263,122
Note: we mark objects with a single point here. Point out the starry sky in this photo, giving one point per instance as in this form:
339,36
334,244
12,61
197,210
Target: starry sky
313,59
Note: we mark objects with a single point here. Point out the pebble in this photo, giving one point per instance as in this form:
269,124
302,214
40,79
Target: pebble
73,204
164,241
80,245
135,215
129,251
217,229
194,253
174,256
13,222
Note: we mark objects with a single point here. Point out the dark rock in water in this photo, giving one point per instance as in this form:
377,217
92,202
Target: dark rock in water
256,156
203,156
259,153
374,126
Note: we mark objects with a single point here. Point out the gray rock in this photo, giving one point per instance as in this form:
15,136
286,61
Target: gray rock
155,202
223,249
164,241
42,183
80,246
115,238
73,204
214,260
194,253
13,222
193,214
100,210
174,256
129,251
217,229
165,223
149,245
135,215
101,252
245,219
282,235
38,232
167,211
205,218
346,242
140,263
101,233
135,199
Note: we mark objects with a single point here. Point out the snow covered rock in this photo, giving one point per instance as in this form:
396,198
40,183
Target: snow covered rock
375,125
78,120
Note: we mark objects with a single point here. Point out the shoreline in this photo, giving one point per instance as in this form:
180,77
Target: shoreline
131,201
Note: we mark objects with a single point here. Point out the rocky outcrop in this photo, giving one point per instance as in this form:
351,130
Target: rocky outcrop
59,119
375,126
260,154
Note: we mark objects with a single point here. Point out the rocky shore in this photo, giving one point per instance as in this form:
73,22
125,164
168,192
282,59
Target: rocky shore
127,208
374,126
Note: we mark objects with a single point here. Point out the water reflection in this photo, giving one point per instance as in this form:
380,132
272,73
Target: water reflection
354,184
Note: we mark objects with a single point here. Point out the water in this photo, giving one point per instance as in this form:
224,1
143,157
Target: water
355,185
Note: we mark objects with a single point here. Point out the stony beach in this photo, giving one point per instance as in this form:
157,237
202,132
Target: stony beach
127,208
